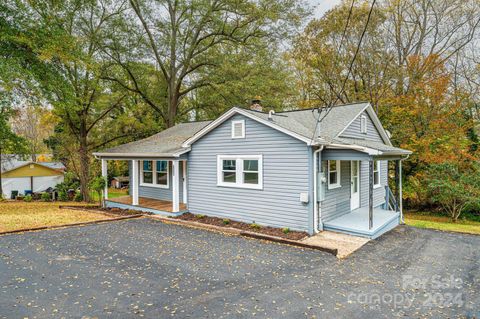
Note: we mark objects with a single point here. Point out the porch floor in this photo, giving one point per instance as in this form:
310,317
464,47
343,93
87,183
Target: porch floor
149,203
356,222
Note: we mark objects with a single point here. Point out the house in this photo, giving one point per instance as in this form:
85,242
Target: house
26,176
120,182
277,169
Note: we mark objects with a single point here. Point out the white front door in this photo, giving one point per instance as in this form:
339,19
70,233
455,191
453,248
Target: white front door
355,185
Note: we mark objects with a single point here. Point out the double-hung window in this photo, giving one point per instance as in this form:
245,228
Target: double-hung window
376,174
242,171
333,174
155,174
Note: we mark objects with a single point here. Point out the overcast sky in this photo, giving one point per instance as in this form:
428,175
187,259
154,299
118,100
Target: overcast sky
322,6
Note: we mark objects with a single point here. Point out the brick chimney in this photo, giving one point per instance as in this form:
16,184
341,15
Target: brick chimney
256,104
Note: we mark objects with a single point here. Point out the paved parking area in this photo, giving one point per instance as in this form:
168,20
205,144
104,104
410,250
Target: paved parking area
143,268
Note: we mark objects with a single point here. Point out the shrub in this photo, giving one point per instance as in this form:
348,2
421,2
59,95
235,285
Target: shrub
62,196
255,225
285,230
27,198
98,184
78,197
45,197
454,187
200,216
226,221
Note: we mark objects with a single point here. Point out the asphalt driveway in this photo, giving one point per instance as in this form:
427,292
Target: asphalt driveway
143,268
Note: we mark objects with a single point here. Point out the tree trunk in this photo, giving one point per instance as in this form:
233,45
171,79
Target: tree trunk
84,162
1,188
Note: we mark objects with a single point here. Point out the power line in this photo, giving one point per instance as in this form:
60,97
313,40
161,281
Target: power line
329,107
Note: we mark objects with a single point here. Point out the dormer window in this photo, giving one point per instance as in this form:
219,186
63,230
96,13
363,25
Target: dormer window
363,124
238,129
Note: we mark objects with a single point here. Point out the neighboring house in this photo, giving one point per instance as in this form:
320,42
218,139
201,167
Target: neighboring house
120,182
24,176
277,169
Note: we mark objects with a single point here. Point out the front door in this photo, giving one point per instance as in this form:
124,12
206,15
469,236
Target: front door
355,185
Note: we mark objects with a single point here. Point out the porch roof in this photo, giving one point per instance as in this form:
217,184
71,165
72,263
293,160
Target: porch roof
373,148
167,143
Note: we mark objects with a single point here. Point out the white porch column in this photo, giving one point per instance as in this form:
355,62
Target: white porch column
135,182
105,176
370,194
400,195
184,171
175,186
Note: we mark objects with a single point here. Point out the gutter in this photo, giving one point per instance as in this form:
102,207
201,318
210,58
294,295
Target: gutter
141,155
317,218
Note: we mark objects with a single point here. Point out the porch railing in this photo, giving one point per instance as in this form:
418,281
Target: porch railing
390,200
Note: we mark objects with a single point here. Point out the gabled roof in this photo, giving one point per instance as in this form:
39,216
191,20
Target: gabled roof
13,165
167,143
300,124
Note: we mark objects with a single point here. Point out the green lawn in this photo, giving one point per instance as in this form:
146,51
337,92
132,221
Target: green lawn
424,220
112,193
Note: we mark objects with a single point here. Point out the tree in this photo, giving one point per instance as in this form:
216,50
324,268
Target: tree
182,39
9,141
98,184
454,186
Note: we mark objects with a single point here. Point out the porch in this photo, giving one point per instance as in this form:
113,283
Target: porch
156,206
357,222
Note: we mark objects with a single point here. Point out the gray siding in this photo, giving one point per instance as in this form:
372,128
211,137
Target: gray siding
353,130
285,176
155,192
337,201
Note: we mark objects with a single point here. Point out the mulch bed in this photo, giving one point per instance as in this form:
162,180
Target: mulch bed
293,235
109,210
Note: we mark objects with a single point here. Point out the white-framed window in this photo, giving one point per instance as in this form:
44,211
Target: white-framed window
242,171
333,174
155,174
363,124
376,174
238,129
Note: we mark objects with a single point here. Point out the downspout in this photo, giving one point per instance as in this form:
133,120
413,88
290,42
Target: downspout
317,218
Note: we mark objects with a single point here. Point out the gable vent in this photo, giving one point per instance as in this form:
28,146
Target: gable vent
238,129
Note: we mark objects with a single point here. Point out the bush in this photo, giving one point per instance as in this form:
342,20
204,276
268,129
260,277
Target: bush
62,196
226,221
98,184
255,225
45,197
285,230
200,216
454,187
78,197
69,182
27,198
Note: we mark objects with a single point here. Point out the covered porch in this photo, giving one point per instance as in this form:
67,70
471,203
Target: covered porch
145,204
373,208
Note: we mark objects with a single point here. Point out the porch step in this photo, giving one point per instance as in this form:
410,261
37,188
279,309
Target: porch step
387,223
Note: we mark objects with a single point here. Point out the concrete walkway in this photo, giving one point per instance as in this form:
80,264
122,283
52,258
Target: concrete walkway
345,244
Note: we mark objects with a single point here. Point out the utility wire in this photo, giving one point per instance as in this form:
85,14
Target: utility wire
330,106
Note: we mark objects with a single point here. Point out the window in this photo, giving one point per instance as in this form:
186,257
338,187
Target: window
242,171
376,174
238,129
333,174
363,124
155,174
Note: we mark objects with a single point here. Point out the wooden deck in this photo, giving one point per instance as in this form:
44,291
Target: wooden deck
157,204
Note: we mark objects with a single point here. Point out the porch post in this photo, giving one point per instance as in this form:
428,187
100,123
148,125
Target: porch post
135,182
397,185
370,194
105,176
175,185
400,193
184,171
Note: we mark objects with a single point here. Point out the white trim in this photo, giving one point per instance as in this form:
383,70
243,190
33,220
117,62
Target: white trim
175,186
379,175
239,171
105,176
236,110
363,124
184,175
154,174
242,122
338,171
142,155
135,182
